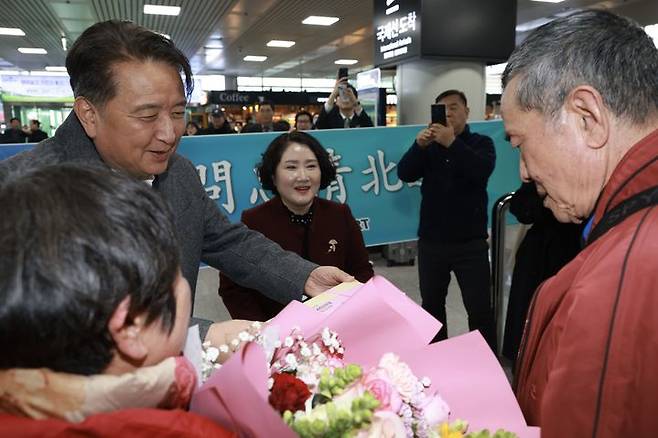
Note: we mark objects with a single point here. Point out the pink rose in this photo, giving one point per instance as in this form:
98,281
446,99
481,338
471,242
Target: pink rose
334,362
400,376
435,410
378,384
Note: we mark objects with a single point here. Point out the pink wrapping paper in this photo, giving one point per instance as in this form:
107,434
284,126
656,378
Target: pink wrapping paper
235,396
376,318
469,378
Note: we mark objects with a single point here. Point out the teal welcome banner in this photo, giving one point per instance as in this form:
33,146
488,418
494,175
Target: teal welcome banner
366,159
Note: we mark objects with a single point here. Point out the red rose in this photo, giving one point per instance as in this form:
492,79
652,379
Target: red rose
288,393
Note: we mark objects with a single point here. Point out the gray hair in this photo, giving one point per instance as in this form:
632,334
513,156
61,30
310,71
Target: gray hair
613,54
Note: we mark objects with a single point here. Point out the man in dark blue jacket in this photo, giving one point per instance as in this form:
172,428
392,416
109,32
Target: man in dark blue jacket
455,165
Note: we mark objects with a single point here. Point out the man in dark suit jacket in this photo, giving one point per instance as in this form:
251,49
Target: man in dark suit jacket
265,122
36,134
218,124
342,109
129,116
14,132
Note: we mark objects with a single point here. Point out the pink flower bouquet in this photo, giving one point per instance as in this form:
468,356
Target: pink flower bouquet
353,370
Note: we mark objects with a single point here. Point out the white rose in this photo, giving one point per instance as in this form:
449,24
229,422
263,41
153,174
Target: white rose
385,424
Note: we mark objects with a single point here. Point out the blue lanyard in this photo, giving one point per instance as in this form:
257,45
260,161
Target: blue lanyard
588,228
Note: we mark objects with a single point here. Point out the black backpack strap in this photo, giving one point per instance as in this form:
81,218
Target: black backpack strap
635,203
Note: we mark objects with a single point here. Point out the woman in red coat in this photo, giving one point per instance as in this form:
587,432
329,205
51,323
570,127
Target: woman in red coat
295,167
94,310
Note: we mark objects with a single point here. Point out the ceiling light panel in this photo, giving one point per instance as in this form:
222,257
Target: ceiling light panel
161,10
318,20
346,61
55,68
254,58
280,43
11,31
32,50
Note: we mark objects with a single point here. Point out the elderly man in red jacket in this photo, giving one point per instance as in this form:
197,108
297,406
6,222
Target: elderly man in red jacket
581,103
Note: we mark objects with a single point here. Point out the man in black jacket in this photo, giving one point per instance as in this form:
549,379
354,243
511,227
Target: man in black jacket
36,134
455,165
218,124
14,132
265,120
342,109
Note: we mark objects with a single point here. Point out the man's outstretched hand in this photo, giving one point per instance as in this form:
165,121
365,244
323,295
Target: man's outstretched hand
323,278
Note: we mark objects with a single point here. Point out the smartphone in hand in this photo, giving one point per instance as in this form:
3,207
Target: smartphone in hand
342,72
439,114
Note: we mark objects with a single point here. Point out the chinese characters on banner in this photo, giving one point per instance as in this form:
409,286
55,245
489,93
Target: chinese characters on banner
366,159
386,208
378,171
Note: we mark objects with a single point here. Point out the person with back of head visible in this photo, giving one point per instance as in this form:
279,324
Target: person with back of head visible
94,310
580,101
131,87
454,164
343,109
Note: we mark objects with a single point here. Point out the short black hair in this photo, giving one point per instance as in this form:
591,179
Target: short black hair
94,54
14,118
447,93
303,113
195,124
74,242
266,102
272,156
36,122
612,54
281,125
217,113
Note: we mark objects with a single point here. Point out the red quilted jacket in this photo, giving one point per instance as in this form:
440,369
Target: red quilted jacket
146,423
587,365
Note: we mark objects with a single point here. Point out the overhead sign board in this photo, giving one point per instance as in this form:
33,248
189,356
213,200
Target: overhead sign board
234,97
397,30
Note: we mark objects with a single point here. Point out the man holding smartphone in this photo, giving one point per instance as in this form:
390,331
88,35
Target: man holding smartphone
342,109
454,164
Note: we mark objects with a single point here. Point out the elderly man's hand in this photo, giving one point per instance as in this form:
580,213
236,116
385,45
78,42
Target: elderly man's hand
424,138
443,135
223,333
323,278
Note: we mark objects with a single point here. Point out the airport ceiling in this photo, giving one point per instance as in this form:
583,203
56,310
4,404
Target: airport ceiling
217,34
